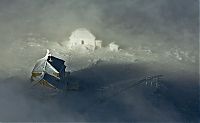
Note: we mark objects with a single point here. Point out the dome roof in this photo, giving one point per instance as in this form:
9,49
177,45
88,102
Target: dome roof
82,33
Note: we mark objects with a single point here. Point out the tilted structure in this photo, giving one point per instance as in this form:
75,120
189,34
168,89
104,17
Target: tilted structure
49,71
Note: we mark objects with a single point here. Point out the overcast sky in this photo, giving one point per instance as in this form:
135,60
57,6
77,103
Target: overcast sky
128,22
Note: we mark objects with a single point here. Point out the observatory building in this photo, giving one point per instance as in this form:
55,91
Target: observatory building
83,39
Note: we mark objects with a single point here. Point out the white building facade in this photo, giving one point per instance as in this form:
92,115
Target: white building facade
84,39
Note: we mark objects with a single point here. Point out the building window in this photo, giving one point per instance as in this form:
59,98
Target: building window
82,42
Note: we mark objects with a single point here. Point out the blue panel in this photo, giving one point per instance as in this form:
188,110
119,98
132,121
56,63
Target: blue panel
62,72
55,81
57,63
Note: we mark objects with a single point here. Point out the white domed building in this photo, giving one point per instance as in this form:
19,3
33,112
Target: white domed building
83,39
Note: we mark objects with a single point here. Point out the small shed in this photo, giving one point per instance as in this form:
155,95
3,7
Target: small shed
98,44
113,47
